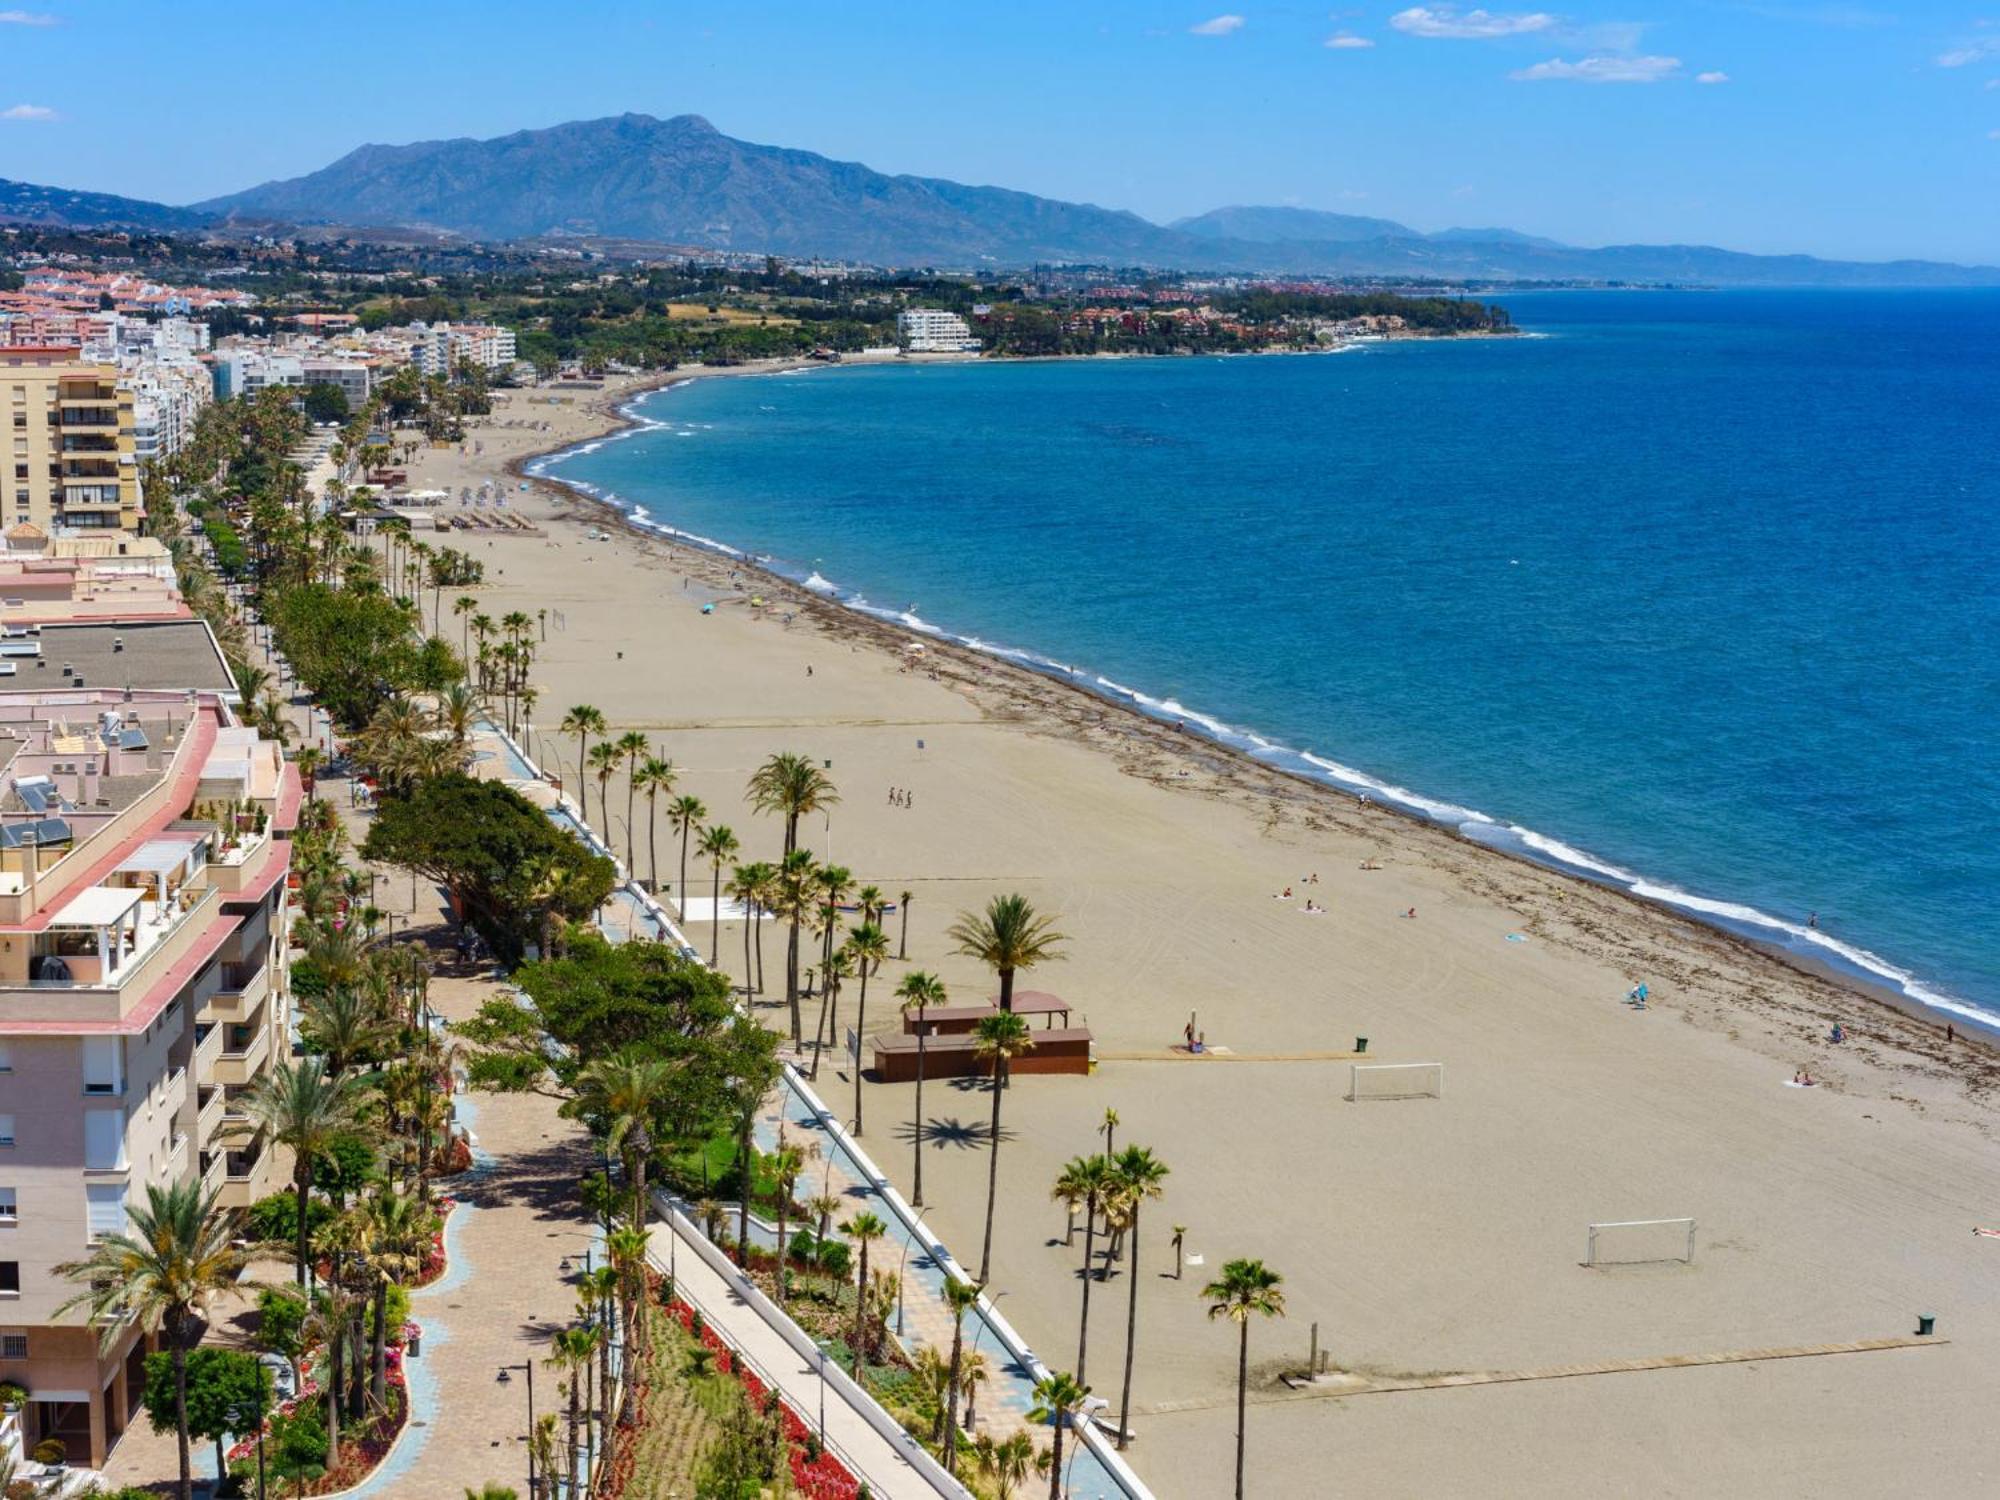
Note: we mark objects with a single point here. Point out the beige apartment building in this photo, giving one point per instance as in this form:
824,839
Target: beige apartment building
71,440
143,988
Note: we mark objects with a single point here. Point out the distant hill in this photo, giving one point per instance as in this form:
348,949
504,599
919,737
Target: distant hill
1266,226
638,180
28,203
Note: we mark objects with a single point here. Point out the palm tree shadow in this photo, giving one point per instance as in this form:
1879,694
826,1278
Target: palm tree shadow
953,1132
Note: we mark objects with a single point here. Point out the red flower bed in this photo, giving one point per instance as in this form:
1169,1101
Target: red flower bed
434,1259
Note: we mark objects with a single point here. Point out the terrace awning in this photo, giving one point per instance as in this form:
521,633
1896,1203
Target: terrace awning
100,906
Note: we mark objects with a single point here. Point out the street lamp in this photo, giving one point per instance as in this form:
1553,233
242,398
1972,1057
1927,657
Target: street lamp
992,1301
1083,1413
820,1344
534,1486
916,1223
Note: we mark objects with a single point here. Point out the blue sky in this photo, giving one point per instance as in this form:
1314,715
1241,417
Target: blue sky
1861,128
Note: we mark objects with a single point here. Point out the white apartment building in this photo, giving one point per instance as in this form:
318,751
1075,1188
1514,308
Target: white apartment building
437,347
930,330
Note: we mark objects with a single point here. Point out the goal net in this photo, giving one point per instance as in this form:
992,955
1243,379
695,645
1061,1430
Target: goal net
1635,1242
1396,1081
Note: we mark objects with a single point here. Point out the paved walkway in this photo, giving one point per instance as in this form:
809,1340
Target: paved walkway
870,1455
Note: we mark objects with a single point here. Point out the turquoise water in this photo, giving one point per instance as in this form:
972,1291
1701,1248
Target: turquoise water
1693,592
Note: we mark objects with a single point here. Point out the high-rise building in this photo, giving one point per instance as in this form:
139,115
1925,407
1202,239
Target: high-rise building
70,433
144,849
931,330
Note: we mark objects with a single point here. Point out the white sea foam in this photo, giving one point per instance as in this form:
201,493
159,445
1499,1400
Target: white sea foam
820,585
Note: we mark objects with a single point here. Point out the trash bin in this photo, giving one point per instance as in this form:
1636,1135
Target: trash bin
1361,1044
1926,1322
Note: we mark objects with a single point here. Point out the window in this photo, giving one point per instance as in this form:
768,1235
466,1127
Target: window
103,1071
107,1208
10,1278
103,1140
7,1205
13,1346
6,1130
6,1057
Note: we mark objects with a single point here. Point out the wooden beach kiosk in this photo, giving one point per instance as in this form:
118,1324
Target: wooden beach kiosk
951,1051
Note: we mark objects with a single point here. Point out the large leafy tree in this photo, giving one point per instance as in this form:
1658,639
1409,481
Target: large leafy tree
228,1392
177,1253
504,863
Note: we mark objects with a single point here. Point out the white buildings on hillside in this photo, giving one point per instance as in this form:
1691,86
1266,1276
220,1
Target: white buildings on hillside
929,330
440,346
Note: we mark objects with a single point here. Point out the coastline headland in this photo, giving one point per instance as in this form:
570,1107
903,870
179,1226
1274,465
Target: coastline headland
1432,1235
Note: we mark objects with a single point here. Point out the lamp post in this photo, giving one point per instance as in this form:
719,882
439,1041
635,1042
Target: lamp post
534,1485
992,1301
821,1345
900,1265
1090,1404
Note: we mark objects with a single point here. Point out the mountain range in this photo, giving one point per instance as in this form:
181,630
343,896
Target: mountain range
680,181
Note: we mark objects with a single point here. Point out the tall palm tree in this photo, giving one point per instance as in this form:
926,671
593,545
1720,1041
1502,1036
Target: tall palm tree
767,891
960,1297
684,815
717,846
573,1351
790,784
304,1107
744,888
919,991
868,945
464,606
903,900
654,775
396,1230
1059,1400
833,974
1007,1462
796,877
1009,935
864,1229
1245,1289
161,1273
787,1162
343,1026
835,881
1090,1178
626,1245
997,1041
622,1093
605,759
582,721
1141,1175
635,748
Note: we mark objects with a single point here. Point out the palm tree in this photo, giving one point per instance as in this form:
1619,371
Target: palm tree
833,973
309,760
1245,1288
786,1164
1110,1129
864,1229
304,1107
834,882
903,900
1091,1179
960,1297
868,945
975,1372
573,1351
396,1230
1007,1462
160,1274
636,749
623,1092
1141,1175
605,759
919,991
343,1026
717,845
790,784
653,776
1180,1240
684,815
463,606
744,887
1058,1400
626,1245
582,721
1009,936
794,883
997,1040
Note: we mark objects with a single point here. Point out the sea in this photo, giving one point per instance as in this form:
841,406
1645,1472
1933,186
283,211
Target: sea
1694,593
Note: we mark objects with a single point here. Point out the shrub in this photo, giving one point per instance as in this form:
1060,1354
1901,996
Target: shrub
276,1219
802,1248
834,1257
51,1451
12,1393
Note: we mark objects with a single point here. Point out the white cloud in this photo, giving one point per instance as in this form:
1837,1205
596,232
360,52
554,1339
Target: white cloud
27,112
1993,135
1967,53
1601,70
24,18
1216,26
1347,41
1716,77
1446,21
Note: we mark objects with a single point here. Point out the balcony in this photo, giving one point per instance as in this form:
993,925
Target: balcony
214,1171
176,1092
208,1118
92,497
207,1049
244,989
244,1054
89,414
232,868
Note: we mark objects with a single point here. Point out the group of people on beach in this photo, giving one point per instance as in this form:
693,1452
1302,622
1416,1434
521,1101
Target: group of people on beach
901,796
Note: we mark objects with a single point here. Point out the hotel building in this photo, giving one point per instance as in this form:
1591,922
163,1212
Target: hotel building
928,330
70,434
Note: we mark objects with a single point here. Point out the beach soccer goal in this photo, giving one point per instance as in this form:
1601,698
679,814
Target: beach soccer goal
1639,1242
1395,1081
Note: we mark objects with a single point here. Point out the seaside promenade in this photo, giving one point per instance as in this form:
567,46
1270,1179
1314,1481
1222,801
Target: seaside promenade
1422,1235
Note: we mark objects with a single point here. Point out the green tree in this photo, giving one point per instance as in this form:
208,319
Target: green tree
325,403
621,1094
583,721
605,759
717,845
684,815
305,1108
997,1041
793,886
1009,935
1141,1175
654,776
960,1298
790,785
1059,1400
1245,1289
919,991
281,1321
1089,1179
633,749
228,1393
867,945
864,1229
161,1273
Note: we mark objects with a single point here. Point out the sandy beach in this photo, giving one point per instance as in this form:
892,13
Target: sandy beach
1422,1235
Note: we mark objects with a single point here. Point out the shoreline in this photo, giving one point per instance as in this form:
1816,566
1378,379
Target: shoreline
831,610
